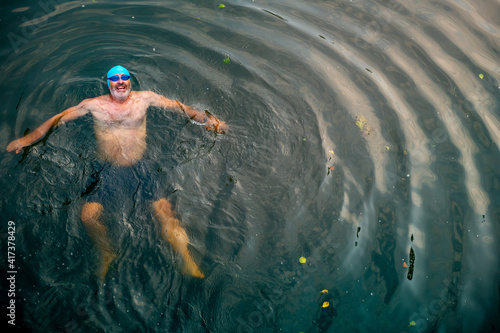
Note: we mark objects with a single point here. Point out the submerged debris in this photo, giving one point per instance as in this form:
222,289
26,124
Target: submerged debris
363,126
412,262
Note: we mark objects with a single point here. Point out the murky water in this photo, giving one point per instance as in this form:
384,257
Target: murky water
364,138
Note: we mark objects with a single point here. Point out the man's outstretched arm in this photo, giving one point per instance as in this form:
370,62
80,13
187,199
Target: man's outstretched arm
211,122
67,115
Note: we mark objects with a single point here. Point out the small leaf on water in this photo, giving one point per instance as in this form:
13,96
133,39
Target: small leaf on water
331,152
404,264
302,260
331,168
222,5
481,76
386,147
412,323
324,291
360,121
325,304
226,61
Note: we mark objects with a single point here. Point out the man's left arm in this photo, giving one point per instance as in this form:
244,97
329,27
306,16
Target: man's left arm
211,122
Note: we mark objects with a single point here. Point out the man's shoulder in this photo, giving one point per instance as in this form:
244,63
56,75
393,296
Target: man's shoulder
144,93
93,104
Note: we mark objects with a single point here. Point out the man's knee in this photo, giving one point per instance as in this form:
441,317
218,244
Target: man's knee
91,212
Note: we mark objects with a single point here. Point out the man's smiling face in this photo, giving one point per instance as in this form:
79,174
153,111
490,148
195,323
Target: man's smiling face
120,89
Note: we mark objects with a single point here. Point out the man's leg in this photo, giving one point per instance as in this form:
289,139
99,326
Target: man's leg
172,231
91,213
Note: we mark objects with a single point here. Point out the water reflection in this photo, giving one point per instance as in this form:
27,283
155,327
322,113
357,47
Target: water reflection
419,174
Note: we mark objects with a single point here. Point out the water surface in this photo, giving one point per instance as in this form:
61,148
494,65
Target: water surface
364,137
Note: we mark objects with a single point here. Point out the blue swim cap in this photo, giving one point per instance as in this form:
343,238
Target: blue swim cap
116,70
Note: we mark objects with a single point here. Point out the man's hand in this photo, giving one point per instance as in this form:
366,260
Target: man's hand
17,145
211,122
214,124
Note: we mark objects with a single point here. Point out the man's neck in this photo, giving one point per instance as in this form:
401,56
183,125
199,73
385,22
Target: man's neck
119,100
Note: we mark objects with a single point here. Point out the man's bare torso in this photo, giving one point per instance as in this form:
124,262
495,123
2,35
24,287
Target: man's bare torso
120,128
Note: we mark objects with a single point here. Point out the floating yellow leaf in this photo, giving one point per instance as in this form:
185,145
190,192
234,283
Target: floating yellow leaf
222,5
481,76
360,121
331,152
325,304
386,147
302,260
405,153
324,291
412,323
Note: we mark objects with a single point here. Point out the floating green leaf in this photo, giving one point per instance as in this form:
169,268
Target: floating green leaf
360,121
222,5
226,61
481,76
302,260
412,323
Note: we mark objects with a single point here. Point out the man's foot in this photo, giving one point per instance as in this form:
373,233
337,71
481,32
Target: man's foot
107,258
190,268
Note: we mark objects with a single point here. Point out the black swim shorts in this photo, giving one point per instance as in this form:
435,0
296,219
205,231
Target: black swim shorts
111,182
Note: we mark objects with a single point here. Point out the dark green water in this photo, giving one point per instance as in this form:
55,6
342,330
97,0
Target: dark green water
403,232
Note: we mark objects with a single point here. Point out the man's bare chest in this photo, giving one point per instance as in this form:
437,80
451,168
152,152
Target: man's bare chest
131,115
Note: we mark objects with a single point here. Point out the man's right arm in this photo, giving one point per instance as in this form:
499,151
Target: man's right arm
211,123
67,115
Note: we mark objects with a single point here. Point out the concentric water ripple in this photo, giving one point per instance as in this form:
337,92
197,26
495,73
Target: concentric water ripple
361,133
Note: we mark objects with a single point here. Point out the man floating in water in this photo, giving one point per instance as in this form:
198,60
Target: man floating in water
120,129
